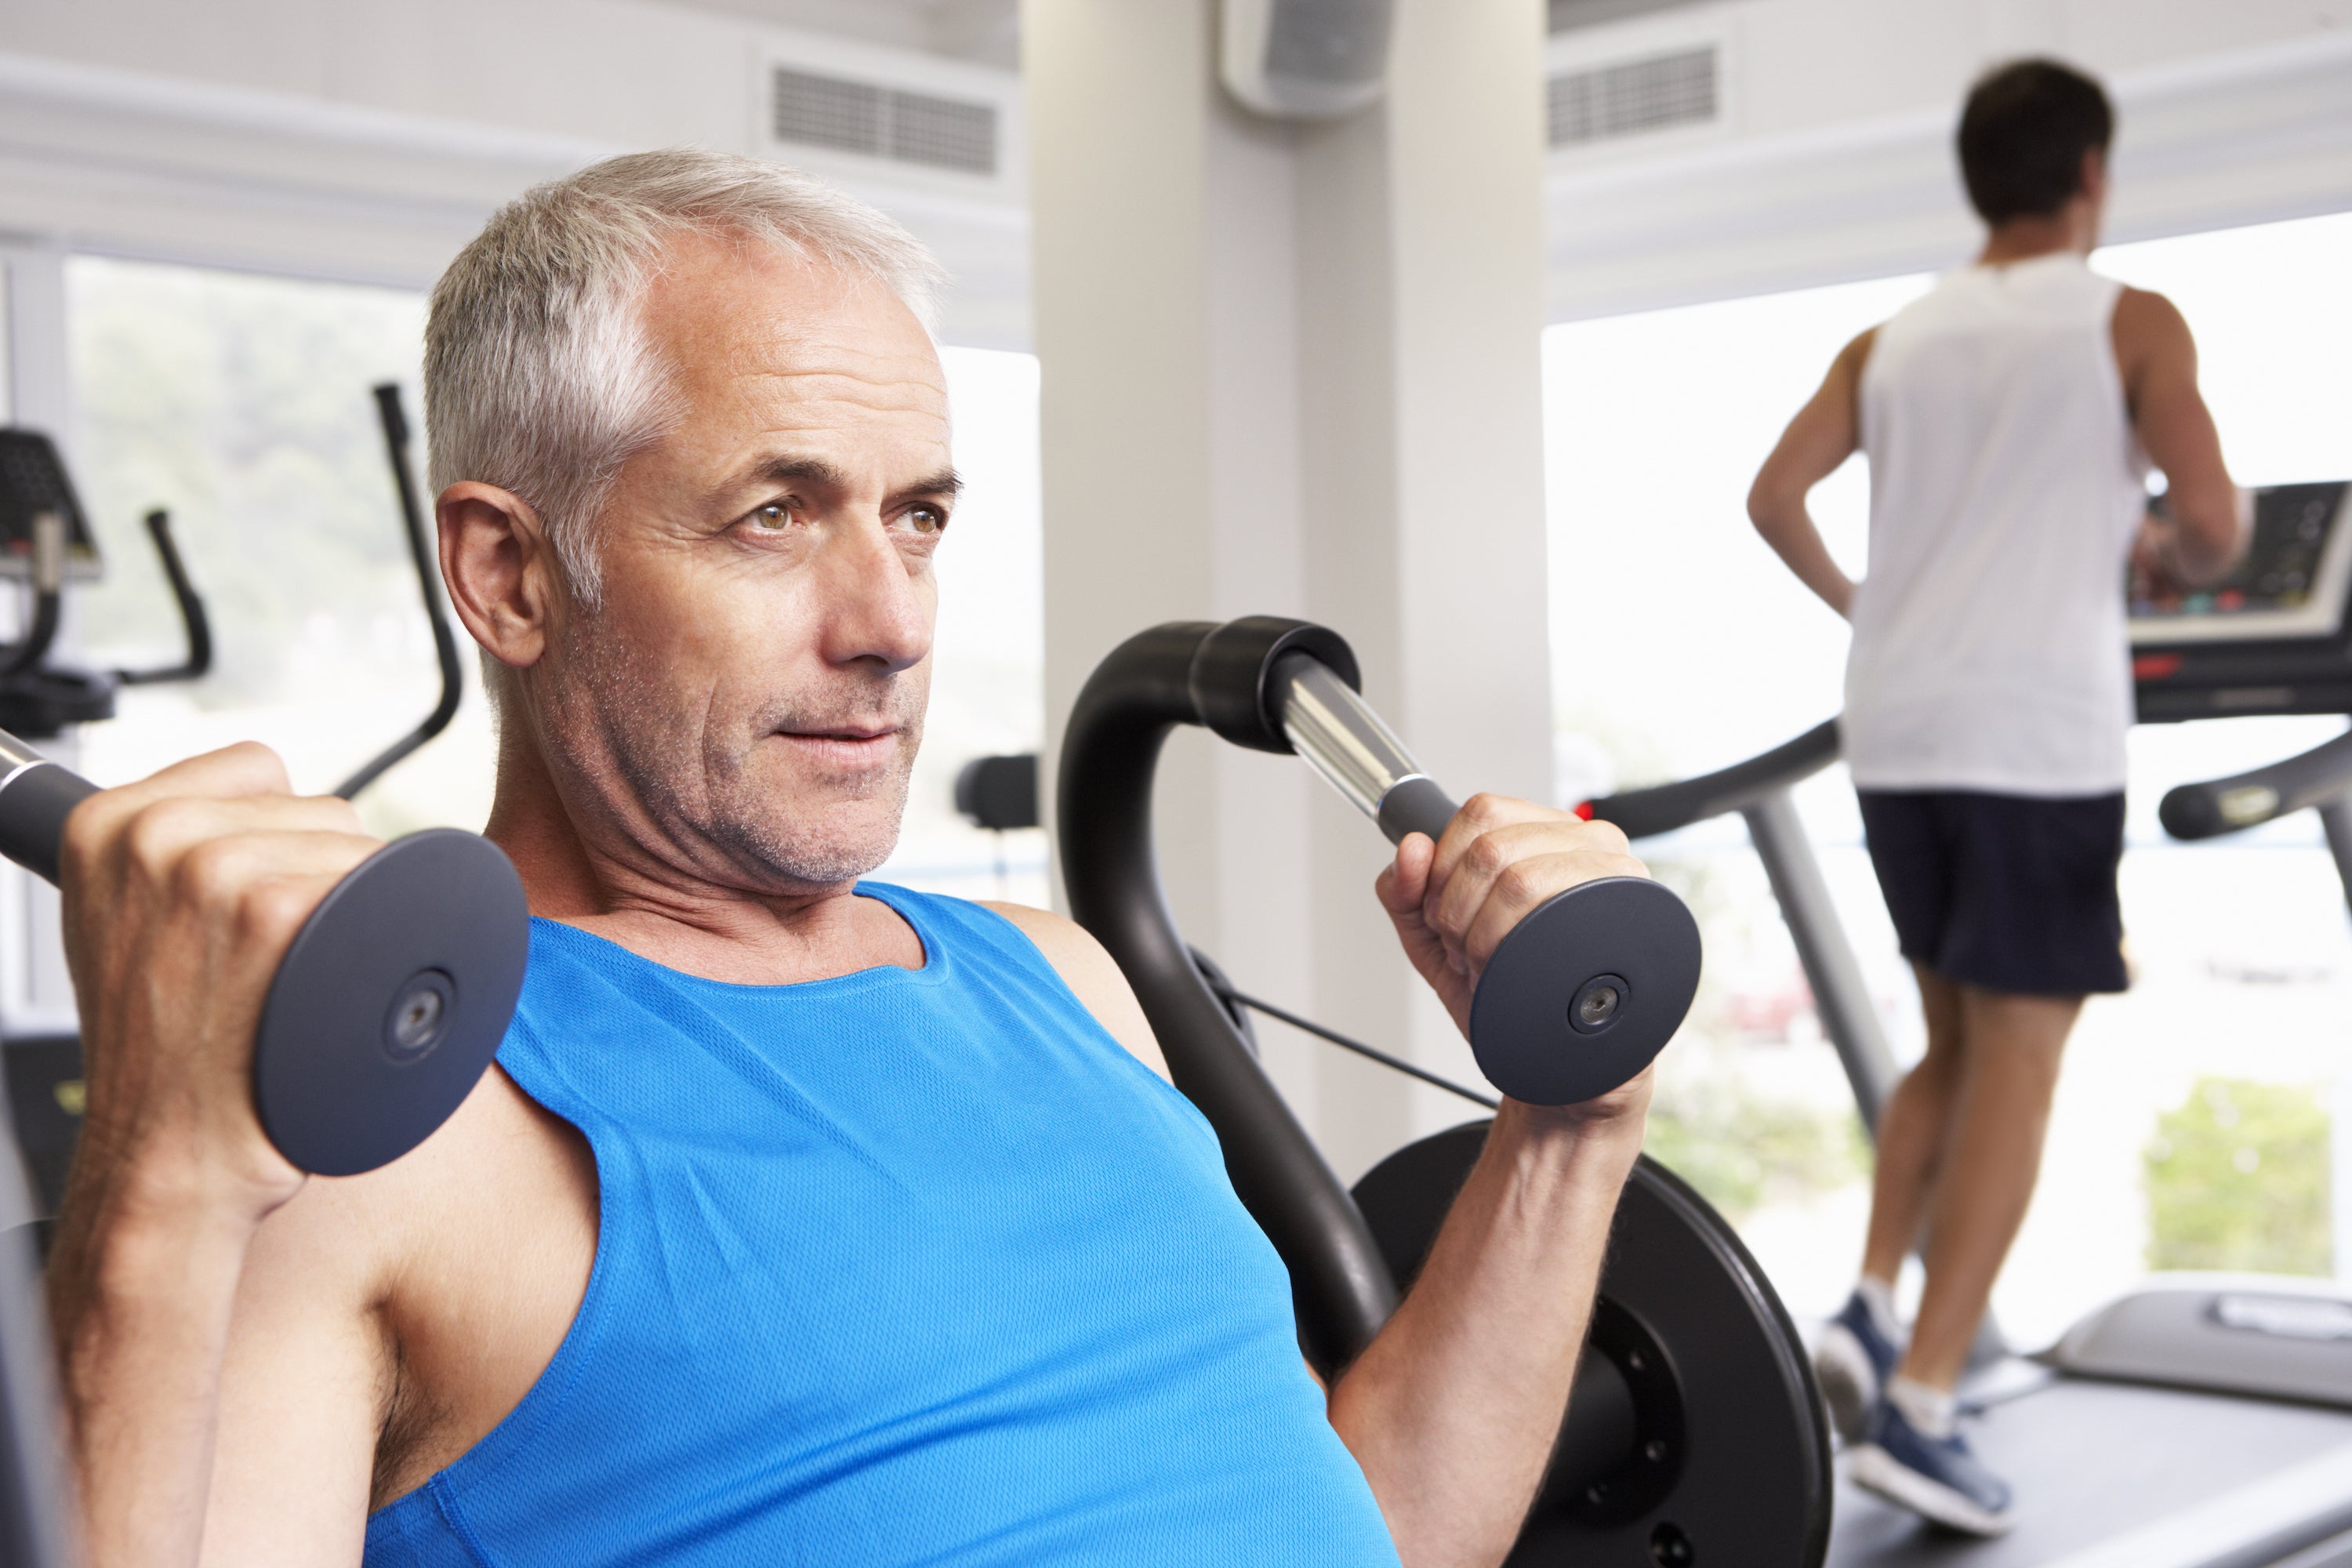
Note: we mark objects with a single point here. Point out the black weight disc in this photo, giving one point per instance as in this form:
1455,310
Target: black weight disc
391,1002
1695,1438
1585,991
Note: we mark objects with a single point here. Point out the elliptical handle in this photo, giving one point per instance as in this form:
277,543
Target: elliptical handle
395,423
199,626
36,795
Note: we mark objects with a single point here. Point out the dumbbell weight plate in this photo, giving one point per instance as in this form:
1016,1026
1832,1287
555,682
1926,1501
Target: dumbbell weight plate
391,1002
1585,992
1694,1434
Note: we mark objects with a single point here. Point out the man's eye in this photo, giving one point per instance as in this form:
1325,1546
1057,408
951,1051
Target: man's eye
774,515
926,518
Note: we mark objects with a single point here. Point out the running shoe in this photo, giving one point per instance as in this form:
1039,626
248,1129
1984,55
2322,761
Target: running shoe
1935,1477
1853,1358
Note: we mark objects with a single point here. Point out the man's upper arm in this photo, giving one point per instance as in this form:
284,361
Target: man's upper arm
302,1390
1823,434
2156,354
1092,976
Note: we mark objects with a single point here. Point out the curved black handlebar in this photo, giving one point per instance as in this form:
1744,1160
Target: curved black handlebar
428,571
1103,822
1576,1000
1662,809
198,624
2208,810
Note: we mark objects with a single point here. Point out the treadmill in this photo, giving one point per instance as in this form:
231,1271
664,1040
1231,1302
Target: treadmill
2198,1421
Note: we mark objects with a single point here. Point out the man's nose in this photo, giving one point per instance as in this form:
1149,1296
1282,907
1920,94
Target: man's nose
877,611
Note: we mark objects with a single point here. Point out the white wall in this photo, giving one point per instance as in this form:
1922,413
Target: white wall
369,142
1833,157
1292,369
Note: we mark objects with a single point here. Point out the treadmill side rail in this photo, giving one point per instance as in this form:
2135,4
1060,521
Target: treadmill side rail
2269,1336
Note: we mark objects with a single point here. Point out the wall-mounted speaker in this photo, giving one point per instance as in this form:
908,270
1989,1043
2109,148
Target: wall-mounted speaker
1305,60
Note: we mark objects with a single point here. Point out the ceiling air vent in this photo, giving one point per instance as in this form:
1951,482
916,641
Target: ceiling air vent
1603,102
878,122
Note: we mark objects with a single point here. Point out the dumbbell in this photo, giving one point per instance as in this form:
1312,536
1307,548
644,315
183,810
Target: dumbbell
1586,989
389,1005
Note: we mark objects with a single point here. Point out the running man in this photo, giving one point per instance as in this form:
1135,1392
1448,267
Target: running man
2009,417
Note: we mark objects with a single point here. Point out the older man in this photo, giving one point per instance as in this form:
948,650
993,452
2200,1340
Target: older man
803,1220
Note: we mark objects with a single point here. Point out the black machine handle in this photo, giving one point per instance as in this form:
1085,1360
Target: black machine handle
1103,827
199,626
388,1005
1577,1000
1662,809
420,552
2208,810
48,595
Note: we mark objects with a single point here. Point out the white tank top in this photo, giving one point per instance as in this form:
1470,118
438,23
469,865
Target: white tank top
1989,649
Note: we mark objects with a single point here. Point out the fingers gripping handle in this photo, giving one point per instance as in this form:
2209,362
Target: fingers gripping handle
391,1000
1586,989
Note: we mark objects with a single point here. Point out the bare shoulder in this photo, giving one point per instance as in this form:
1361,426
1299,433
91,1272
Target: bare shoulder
2150,332
1845,379
1091,976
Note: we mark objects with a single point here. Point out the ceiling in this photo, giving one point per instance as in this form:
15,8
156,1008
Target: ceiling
1566,14
989,31
985,31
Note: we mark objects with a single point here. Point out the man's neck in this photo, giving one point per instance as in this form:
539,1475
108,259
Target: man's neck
628,895
2066,231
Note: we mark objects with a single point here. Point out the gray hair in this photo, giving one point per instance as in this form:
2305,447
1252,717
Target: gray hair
539,376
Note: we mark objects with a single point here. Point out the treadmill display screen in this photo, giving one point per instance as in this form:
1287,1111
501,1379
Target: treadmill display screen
2292,584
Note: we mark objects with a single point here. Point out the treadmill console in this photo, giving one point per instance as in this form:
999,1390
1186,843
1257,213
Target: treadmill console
2273,637
32,481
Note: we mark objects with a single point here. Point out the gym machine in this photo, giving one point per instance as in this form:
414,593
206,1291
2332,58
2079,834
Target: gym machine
2197,1421
354,939
384,1012
1694,1434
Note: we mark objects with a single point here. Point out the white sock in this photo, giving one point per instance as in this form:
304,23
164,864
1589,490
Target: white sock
1878,1297
1932,1411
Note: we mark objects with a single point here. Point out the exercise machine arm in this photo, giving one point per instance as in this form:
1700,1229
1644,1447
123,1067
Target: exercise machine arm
428,572
2319,777
193,619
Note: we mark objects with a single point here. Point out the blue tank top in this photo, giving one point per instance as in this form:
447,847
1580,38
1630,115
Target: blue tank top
906,1265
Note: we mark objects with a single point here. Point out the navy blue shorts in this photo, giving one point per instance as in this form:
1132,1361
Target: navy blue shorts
2008,892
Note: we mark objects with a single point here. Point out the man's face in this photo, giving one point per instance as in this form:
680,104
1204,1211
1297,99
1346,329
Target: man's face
748,699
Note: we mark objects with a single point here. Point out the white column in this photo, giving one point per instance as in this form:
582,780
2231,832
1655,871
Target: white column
1295,370
35,991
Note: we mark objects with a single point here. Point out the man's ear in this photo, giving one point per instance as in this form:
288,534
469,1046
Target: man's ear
2094,176
500,569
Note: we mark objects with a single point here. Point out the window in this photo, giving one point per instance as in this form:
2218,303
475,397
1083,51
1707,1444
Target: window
1681,644
988,683
242,403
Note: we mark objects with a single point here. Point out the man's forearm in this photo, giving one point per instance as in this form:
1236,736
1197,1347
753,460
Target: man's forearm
1790,531
1453,1410
141,1310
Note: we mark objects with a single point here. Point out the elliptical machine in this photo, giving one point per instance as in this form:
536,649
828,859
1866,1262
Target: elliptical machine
44,537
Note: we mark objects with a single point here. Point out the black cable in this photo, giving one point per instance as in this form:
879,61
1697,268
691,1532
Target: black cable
1361,1049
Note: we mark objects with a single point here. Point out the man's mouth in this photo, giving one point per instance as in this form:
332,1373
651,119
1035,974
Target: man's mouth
845,744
